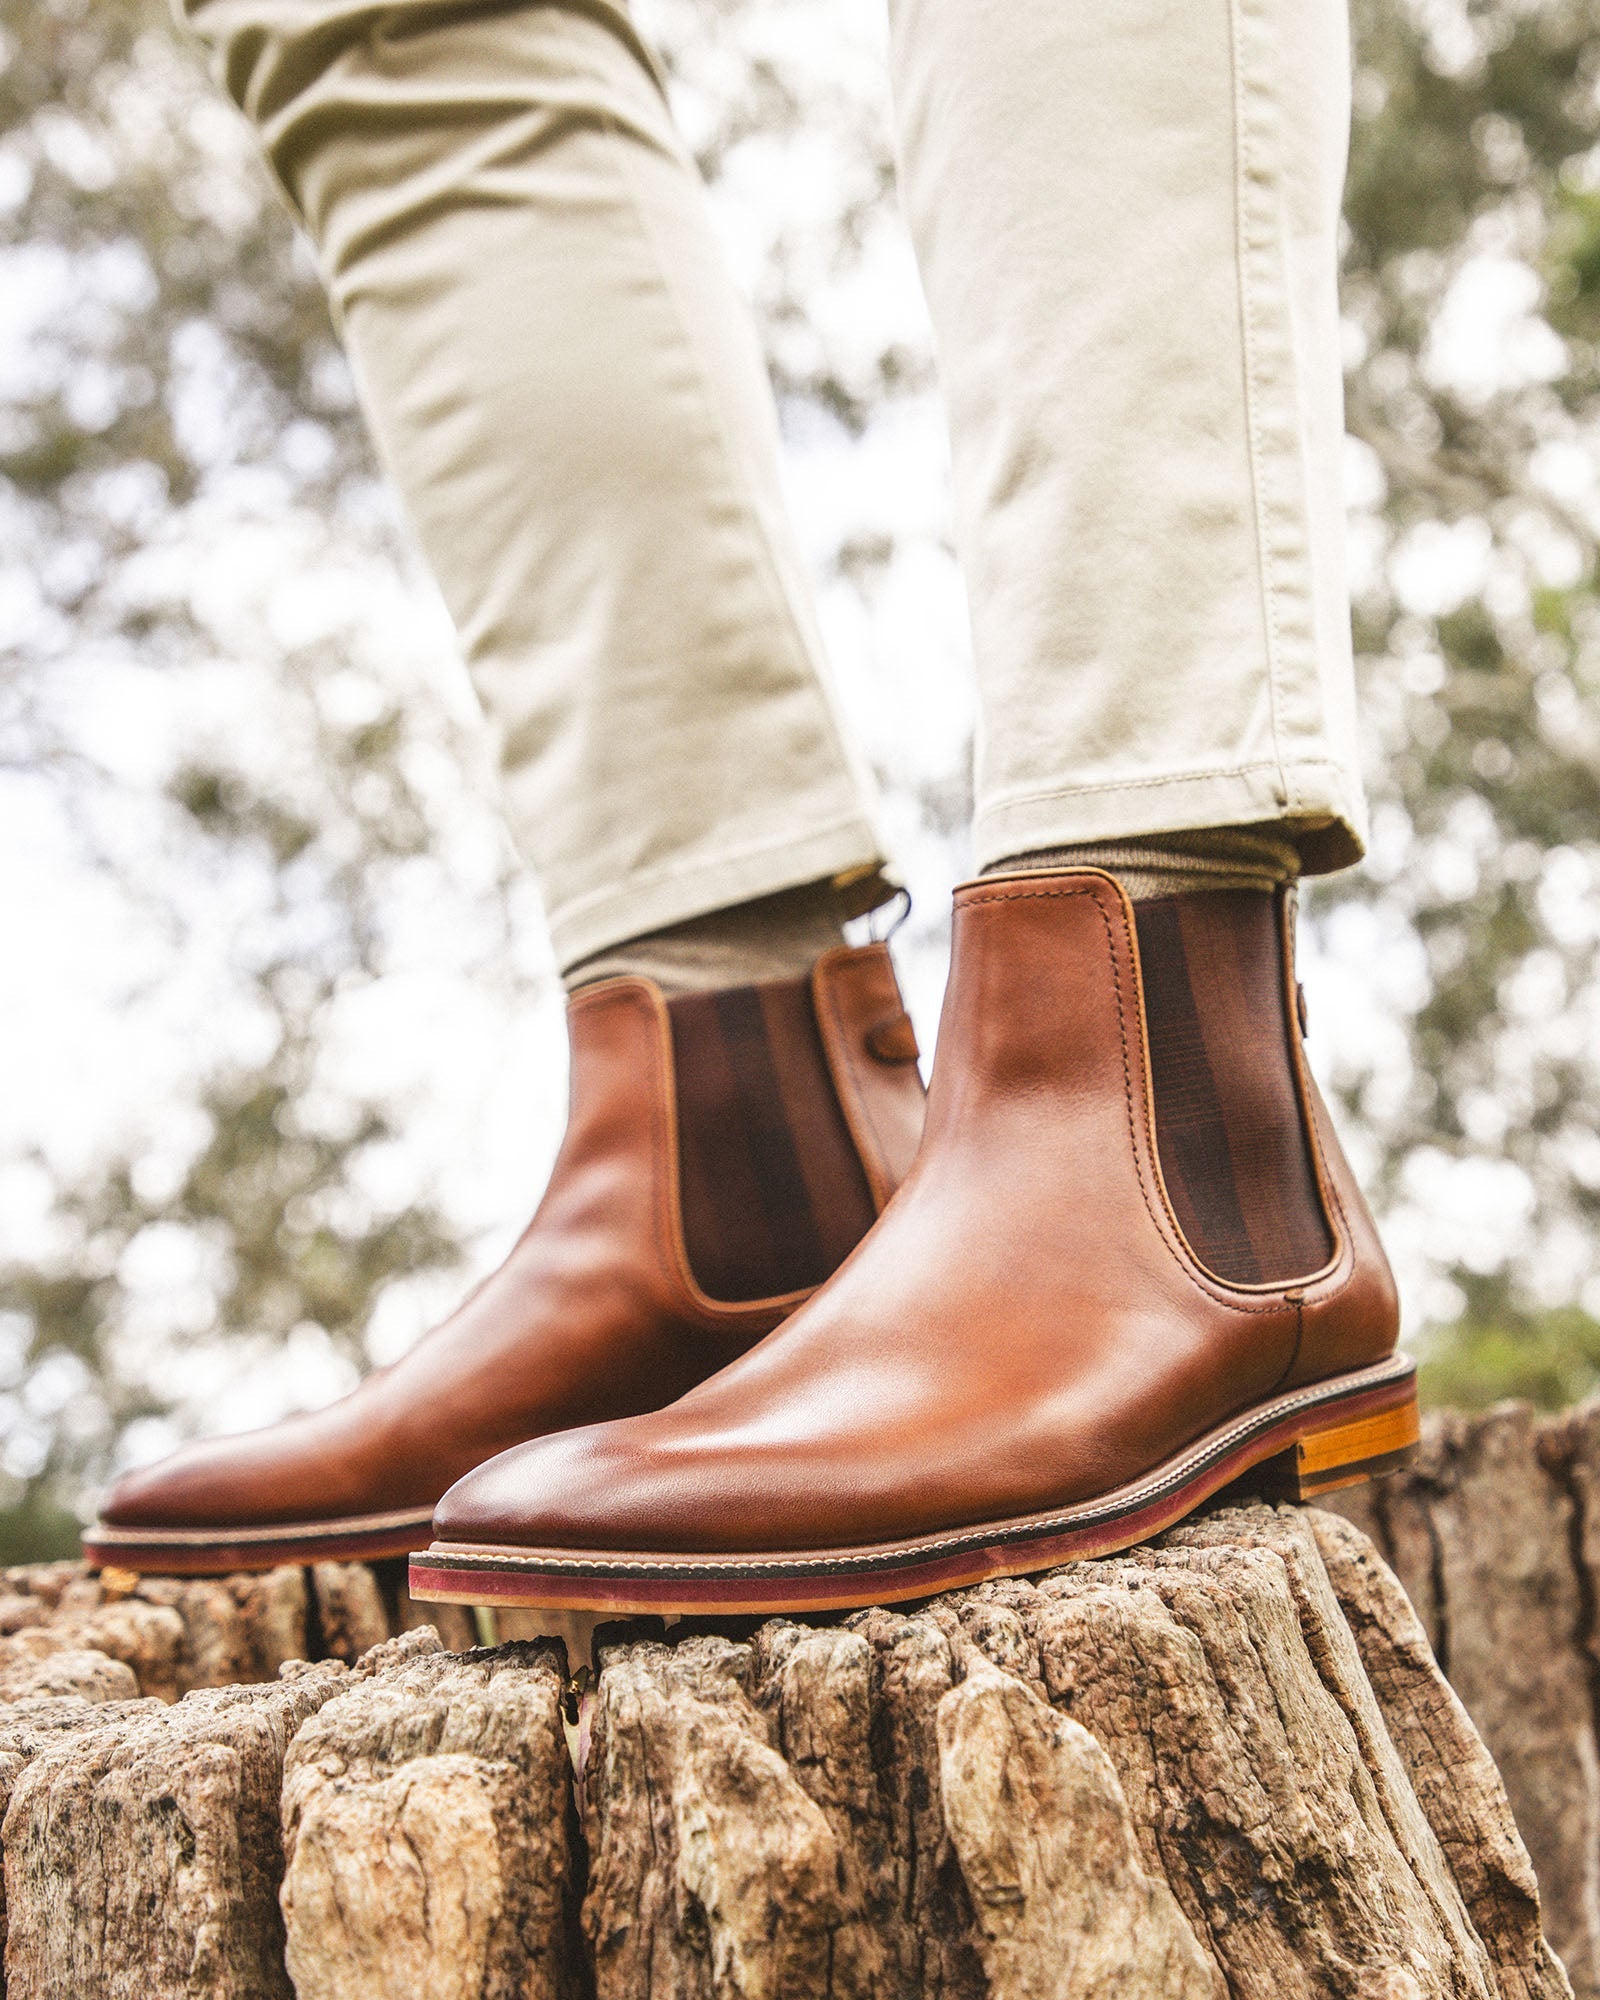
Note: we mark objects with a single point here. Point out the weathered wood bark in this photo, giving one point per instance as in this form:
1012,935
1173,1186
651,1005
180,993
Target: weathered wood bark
1042,1835
1224,1764
1259,1769
425,1828
860,1811
142,1853
1451,1772
172,1634
1495,1537
454,1623
350,1610
34,1724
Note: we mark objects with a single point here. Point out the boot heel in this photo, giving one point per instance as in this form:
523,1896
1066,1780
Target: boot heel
1342,1454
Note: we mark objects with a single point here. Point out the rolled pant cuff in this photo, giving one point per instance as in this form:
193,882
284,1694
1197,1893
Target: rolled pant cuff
1319,804
651,902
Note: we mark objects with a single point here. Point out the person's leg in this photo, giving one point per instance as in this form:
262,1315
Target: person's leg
1127,222
569,395
1139,339
1131,1263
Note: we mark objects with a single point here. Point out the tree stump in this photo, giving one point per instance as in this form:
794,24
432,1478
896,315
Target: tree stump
142,1853
1494,1534
1227,1763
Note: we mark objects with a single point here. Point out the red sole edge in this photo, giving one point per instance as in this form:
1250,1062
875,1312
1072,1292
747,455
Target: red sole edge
639,1585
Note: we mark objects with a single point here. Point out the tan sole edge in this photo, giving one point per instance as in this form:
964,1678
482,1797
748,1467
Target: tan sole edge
1294,1447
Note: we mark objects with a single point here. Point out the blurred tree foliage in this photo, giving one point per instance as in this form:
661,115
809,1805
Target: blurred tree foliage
183,383
1472,283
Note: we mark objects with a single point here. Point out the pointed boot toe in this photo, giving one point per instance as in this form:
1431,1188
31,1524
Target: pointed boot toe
287,1493
199,1481
602,1487
545,1488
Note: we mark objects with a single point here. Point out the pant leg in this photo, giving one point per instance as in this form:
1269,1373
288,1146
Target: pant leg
568,392
1126,213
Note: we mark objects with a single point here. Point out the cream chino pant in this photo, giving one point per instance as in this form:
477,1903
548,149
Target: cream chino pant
1126,216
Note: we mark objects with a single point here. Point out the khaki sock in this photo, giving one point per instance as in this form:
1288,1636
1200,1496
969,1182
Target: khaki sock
1175,864
773,937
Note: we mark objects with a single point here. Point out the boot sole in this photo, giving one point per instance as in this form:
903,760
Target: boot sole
223,1551
1294,1447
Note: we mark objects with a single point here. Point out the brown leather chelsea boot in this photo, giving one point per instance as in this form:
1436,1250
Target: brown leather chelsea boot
1030,1359
725,1152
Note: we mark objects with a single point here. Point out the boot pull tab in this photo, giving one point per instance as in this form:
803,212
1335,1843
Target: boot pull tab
899,906
893,1040
872,1058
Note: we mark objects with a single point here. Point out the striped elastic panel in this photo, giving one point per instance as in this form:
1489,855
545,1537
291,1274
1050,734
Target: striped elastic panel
1229,1128
774,1196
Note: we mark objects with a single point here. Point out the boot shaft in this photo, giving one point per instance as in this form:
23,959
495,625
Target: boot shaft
1052,1000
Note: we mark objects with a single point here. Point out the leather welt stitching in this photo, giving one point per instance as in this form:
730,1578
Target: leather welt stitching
341,1529
1205,1287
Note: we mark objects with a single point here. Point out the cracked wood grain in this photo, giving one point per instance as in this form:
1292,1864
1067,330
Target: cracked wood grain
1454,1776
425,1829
1184,1740
1064,1906
1492,1534
142,1852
